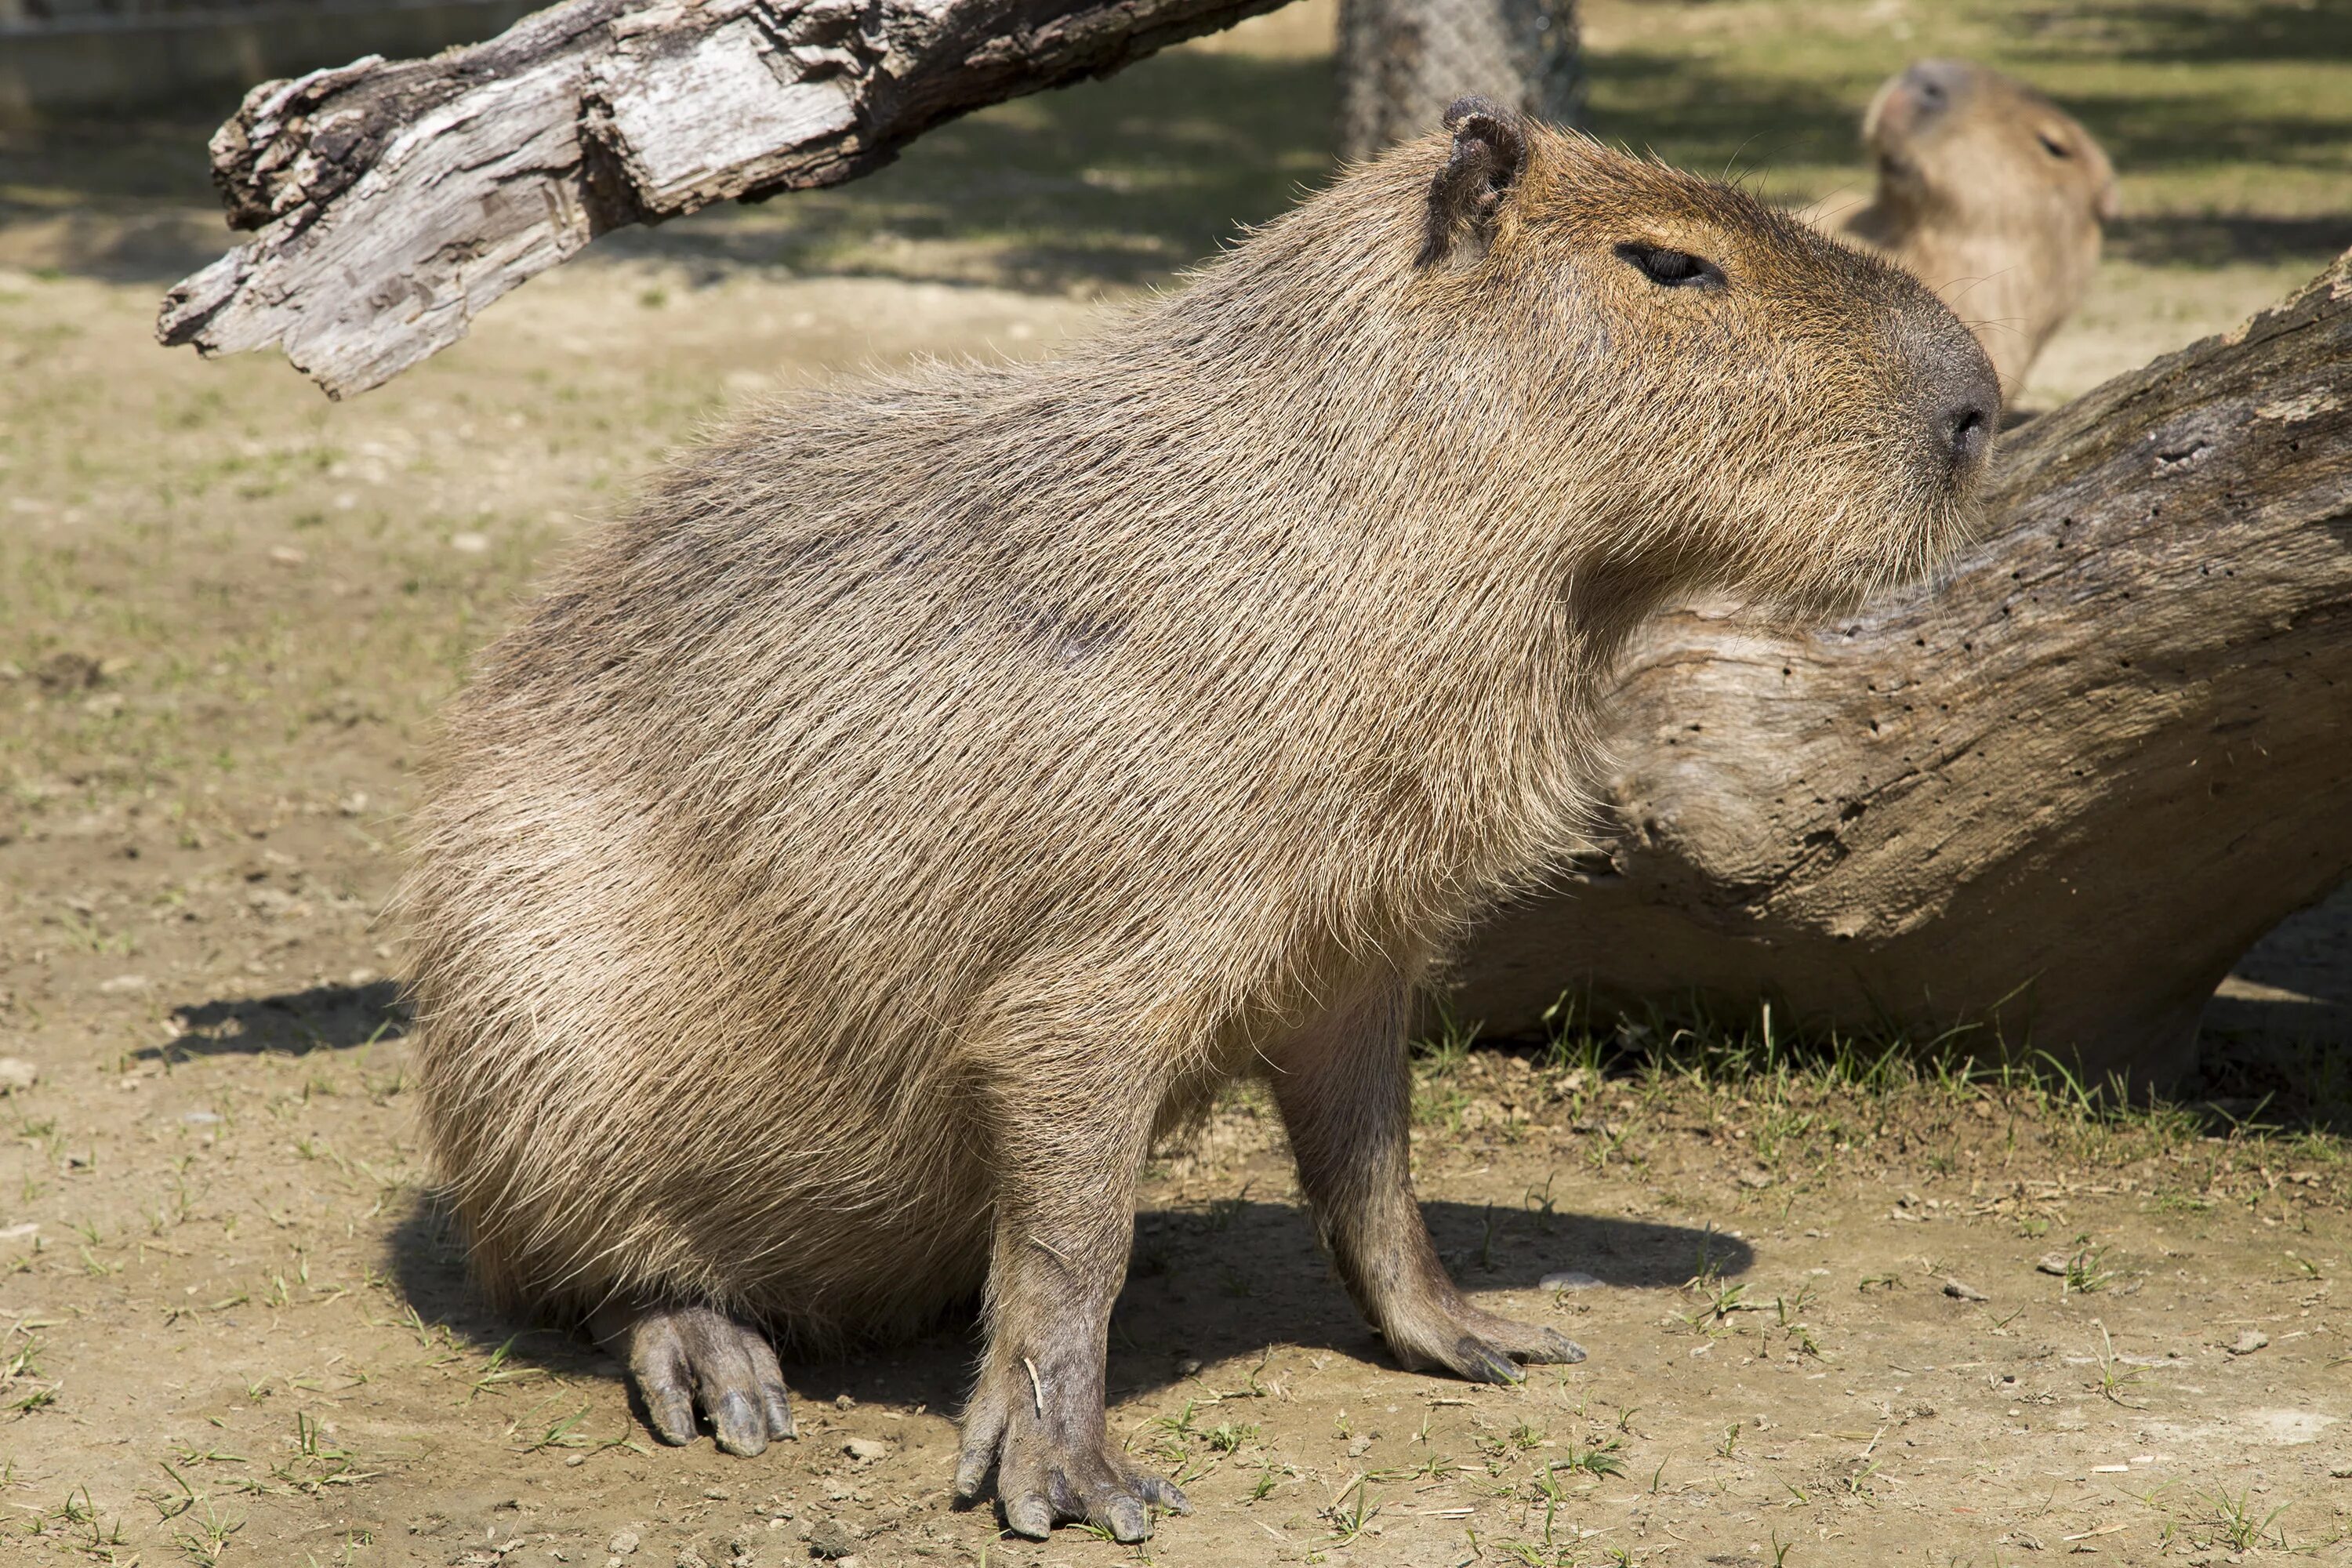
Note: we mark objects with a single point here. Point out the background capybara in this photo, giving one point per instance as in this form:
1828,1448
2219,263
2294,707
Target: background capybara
940,787
1991,195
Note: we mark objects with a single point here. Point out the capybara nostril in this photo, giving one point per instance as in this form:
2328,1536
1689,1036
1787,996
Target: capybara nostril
1955,400
1969,425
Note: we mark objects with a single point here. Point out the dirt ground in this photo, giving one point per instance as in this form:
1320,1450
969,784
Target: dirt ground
1839,1311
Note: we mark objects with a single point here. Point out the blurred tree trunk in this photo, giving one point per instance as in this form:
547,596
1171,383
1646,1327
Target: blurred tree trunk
1401,62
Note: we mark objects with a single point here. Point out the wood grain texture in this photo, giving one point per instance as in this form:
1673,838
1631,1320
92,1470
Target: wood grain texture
2055,795
394,201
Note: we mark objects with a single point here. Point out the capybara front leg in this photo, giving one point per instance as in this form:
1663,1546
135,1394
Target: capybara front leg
1345,1092
1069,1158
685,1358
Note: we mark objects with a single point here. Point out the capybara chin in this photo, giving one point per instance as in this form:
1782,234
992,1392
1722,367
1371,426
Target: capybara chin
1992,196
939,785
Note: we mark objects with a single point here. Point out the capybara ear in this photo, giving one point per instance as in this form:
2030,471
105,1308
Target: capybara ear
1490,153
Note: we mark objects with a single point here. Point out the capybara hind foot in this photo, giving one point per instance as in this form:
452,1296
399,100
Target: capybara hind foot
685,1358
1478,1345
1054,1465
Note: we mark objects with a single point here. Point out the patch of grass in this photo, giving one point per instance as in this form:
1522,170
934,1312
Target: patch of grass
1801,1102
2233,1524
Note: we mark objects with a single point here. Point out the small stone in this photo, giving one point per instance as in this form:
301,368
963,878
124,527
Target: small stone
831,1540
1188,1367
853,1561
1566,1280
843,1402
866,1450
575,1461
469,544
2054,1263
1755,1176
122,984
1359,1448
2342,1472
687,1557
2248,1342
1961,1290
622,1544
287,555
18,1075
715,1494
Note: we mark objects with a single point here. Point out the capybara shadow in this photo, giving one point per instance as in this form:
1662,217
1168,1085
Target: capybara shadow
292,1023
1192,1266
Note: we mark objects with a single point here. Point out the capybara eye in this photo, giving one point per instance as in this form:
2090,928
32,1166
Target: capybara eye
1673,269
2051,145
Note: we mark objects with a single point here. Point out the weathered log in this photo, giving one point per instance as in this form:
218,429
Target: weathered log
397,200
2052,796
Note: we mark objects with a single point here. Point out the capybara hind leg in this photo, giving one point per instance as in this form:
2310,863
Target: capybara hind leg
1345,1093
1068,1155
685,1358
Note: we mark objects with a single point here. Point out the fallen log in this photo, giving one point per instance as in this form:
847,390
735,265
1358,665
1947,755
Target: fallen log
2051,798
396,200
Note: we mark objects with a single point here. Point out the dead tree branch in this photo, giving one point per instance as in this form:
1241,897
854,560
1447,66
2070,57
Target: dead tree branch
396,200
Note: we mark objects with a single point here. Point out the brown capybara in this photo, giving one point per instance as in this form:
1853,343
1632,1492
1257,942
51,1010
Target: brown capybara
1993,196
940,787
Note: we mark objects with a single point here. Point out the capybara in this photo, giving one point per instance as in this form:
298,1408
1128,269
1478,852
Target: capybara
1993,196
940,787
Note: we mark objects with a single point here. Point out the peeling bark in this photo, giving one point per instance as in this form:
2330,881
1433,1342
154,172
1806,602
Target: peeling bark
2053,796
396,200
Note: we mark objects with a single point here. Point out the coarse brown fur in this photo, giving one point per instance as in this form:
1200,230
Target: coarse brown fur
1993,196
941,785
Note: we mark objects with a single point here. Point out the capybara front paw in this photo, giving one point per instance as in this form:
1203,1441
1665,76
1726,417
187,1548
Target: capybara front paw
1043,1479
1483,1347
682,1359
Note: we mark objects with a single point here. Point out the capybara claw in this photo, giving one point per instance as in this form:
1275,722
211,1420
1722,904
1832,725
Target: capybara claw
1045,1479
669,1410
1558,1350
682,1358
738,1425
1163,1493
1481,1363
1030,1516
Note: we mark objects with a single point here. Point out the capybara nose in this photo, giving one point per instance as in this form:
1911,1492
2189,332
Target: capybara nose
1967,423
1929,84
1956,397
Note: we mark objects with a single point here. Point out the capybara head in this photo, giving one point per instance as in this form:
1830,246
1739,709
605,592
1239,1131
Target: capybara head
1717,396
1963,139
1992,194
